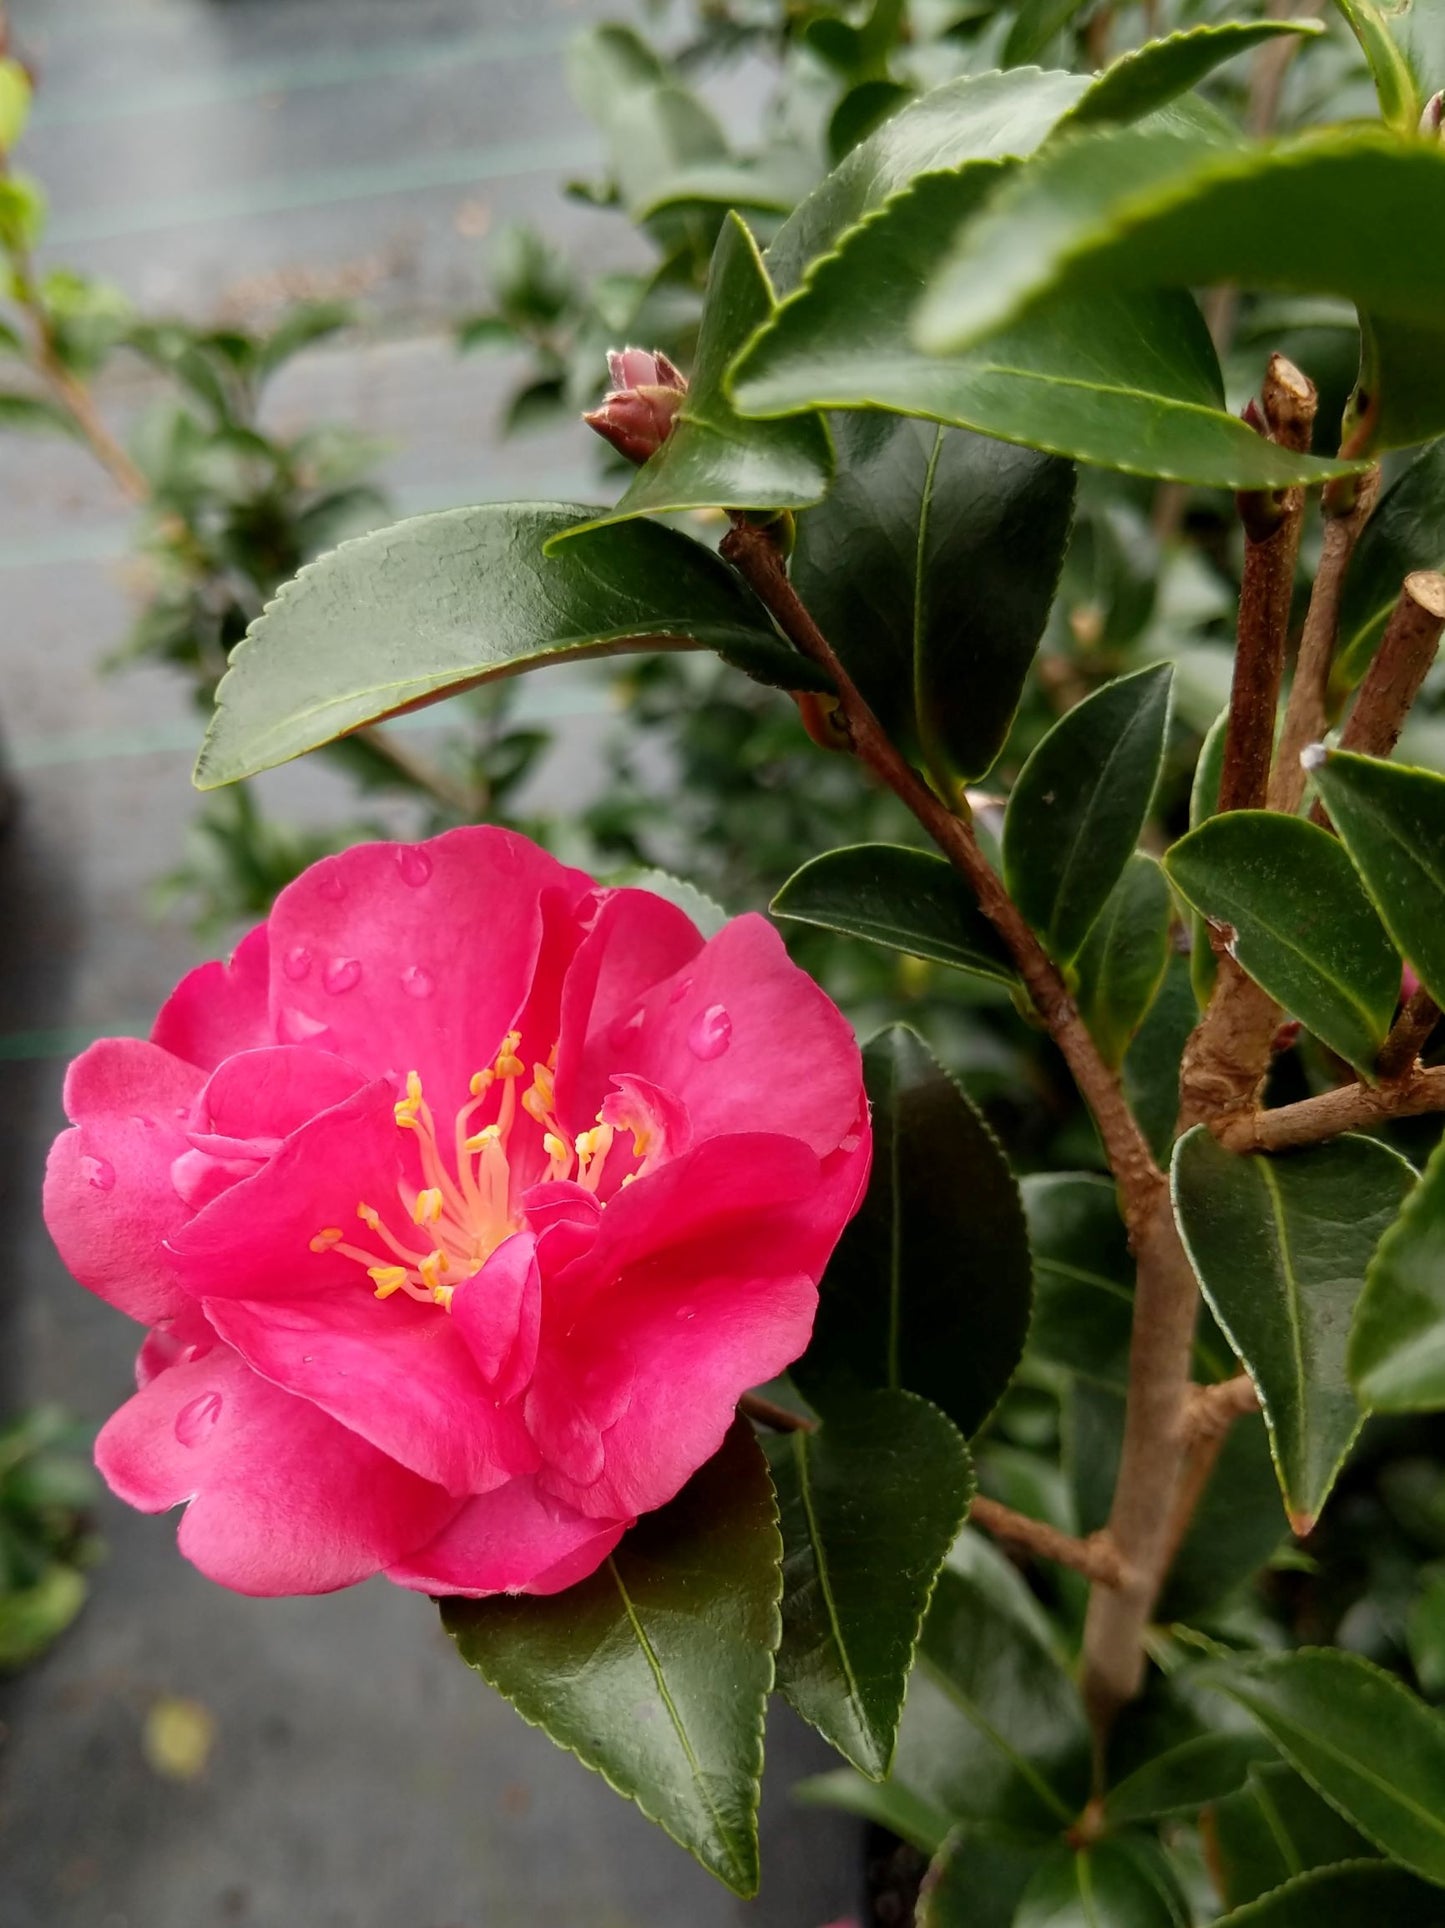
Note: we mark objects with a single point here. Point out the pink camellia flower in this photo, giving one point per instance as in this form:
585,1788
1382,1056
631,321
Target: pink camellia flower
637,413
462,1204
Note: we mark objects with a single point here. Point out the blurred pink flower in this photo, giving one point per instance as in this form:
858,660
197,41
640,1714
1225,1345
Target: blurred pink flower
462,1203
637,413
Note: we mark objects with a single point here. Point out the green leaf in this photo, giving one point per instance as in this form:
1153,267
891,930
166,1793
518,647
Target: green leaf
712,458
888,1803
1124,957
930,568
442,602
929,1288
1280,1246
1083,1275
1406,532
1149,76
1153,209
869,1506
1357,1894
1400,100
655,1671
1185,1778
1235,1529
906,900
1397,1348
1036,23
1150,1073
994,1729
978,1877
1303,927
1080,802
1128,381
35,412
33,1617
1425,1632
1119,1883
15,94
654,126
1273,1828
1392,821
967,119
1362,1740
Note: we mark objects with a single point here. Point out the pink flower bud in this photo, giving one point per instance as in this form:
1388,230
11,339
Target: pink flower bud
637,412
1430,120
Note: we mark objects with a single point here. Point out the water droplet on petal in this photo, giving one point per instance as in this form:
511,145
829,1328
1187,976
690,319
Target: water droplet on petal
331,885
308,1358
851,1142
623,1029
710,1033
98,1172
139,1118
418,982
342,974
685,1312
296,963
298,1027
195,1421
679,990
414,864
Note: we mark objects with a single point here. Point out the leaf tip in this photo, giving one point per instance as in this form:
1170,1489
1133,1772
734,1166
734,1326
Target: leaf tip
1302,1524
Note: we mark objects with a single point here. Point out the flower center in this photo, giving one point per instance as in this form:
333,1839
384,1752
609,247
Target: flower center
455,1220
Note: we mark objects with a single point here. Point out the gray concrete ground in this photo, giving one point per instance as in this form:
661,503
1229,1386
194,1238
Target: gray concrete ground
359,1777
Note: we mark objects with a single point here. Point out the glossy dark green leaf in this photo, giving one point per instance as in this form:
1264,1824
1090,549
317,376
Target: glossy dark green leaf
978,1877
1124,957
1139,208
1150,1072
1397,1348
1124,1882
1303,927
1235,1529
972,118
655,1671
1405,532
869,1505
442,602
1361,1739
1186,1777
929,1289
1357,1894
888,1803
1273,1828
1147,77
1280,1246
906,900
931,568
1392,821
712,458
1399,97
1080,802
1083,1275
1124,380
994,1729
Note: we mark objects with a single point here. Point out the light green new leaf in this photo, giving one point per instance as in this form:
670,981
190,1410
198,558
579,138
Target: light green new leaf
1125,956
1400,99
1133,209
1374,1751
1405,532
1392,821
1124,1882
976,117
439,603
1303,927
1281,1246
655,1671
931,568
1356,1894
978,1877
906,900
1147,77
1080,802
1397,1349
1125,380
869,1505
713,459
930,1286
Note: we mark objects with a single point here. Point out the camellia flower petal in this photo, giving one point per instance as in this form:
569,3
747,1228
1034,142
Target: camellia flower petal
462,1205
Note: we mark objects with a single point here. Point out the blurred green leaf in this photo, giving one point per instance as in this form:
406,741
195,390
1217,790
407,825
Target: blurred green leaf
1397,1348
1147,77
1354,1895
1406,532
978,1877
1124,957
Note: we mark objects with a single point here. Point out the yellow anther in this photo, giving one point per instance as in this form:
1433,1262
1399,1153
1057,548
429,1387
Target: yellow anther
481,1082
587,1142
328,1236
442,1294
535,1105
368,1216
628,1179
413,1087
546,1085
404,1112
429,1267
509,1065
387,1279
554,1146
428,1206
479,1140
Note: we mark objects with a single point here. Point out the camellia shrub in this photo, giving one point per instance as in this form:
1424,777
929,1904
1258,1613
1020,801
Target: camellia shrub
609,1311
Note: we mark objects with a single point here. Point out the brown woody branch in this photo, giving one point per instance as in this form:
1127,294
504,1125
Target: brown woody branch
1409,1034
1353,1107
1398,667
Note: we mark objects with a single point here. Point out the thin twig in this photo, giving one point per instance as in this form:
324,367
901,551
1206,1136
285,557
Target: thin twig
1399,666
1097,1557
1409,1034
1353,1107
1306,712
1212,1410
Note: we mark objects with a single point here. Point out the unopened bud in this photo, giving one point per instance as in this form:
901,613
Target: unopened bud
1252,415
1434,114
637,413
